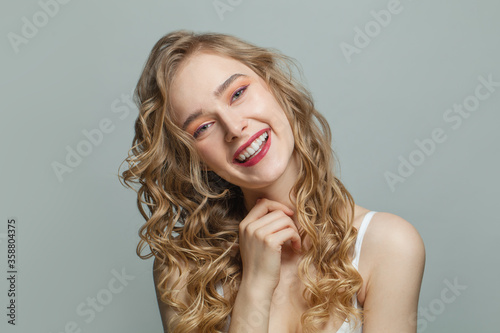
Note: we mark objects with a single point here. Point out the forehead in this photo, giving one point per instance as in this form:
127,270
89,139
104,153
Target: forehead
198,77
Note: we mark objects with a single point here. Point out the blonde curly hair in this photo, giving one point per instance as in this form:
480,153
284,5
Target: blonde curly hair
194,214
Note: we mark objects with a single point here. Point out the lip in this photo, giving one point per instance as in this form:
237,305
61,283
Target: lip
256,158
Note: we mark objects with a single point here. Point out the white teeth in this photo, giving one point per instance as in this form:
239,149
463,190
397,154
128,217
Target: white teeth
253,148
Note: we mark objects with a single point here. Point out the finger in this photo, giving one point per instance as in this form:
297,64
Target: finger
271,205
265,206
276,240
276,225
296,241
266,220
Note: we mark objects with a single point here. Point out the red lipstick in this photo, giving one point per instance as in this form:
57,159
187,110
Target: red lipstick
257,157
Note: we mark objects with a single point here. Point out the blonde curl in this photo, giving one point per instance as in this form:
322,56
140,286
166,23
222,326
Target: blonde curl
192,215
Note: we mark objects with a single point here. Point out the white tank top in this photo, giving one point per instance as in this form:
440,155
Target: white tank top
345,328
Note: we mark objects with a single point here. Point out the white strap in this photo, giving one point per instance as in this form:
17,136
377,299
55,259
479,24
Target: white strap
361,235
218,287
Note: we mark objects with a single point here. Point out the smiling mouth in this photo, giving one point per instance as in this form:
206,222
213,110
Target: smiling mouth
252,149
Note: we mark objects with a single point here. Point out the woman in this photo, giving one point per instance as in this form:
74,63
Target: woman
250,229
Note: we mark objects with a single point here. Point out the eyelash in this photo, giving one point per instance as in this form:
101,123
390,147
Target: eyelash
200,129
204,127
242,90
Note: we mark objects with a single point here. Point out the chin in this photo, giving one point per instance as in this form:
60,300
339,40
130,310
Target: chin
267,178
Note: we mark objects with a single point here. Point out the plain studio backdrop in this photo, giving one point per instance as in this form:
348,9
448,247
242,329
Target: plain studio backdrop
411,90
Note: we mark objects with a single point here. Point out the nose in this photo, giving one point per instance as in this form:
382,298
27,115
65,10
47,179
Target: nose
234,126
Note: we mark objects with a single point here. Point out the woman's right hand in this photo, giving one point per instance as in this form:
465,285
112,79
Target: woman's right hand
262,233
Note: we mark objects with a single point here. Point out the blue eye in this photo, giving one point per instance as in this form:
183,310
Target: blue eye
238,93
201,129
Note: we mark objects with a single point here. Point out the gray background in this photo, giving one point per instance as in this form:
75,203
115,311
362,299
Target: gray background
76,232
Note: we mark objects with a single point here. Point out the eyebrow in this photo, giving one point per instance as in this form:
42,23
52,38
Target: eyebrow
218,92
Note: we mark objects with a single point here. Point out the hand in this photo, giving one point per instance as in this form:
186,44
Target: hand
263,232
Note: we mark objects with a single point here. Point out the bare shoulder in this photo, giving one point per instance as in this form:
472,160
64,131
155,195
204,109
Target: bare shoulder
394,258
391,242
390,237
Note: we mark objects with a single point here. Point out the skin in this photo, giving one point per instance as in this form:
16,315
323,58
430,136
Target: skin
231,120
393,255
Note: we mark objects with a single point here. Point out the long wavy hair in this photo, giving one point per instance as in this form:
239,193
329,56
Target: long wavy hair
193,214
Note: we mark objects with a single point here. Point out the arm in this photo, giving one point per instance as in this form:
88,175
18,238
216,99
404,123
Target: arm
250,311
263,232
395,256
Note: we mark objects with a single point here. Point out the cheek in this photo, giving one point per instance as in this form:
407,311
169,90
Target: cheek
287,130
210,155
204,153
261,101
278,112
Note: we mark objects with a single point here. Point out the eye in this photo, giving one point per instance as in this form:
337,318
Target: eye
237,94
201,129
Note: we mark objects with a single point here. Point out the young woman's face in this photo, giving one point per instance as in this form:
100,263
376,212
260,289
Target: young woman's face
240,130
